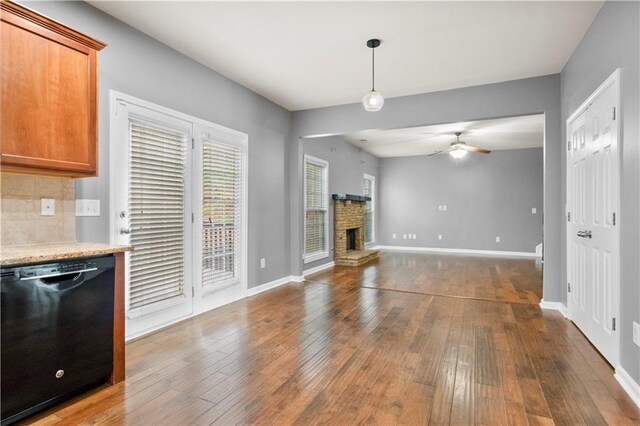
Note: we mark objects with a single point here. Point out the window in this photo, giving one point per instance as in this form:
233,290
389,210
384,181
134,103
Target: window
369,190
157,174
221,214
316,200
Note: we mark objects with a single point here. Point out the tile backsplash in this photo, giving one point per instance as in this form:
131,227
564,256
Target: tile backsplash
21,221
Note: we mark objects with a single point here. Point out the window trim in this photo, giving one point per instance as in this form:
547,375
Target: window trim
373,208
312,257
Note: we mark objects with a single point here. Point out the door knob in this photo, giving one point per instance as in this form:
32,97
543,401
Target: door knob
125,231
584,234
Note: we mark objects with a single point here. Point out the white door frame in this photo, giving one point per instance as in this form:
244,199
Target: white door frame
613,79
119,100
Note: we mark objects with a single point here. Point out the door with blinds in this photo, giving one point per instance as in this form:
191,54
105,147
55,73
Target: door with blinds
220,216
152,212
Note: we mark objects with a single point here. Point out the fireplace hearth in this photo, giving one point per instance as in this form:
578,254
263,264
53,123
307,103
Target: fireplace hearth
348,226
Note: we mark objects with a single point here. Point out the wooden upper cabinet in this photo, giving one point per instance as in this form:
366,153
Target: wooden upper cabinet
49,95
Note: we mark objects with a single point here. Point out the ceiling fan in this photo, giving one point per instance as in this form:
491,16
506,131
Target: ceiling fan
459,149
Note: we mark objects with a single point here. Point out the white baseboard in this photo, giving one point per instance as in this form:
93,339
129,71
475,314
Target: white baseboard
297,279
556,306
459,251
268,286
628,384
318,268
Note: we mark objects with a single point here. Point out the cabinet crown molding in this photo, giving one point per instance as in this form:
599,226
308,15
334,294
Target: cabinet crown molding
50,24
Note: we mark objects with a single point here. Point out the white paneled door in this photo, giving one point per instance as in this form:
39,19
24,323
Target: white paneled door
179,196
593,198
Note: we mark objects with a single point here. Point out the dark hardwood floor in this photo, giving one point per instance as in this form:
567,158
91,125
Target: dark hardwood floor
485,278
344,354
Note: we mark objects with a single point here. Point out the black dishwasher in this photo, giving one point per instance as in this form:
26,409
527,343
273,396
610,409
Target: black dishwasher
57,332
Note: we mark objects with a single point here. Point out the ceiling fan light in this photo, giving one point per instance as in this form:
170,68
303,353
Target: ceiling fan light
458,153
373,101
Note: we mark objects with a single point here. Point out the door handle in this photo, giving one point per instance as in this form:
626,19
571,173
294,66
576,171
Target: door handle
584,234
125,231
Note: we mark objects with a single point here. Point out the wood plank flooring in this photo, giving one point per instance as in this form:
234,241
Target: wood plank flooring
343,354
485,278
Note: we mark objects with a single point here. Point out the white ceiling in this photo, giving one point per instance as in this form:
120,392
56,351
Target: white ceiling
503,133
310,54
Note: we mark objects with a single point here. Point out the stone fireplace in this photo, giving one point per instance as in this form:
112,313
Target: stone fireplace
348,229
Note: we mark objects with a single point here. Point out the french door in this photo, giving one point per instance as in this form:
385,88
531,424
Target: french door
179,188
593,188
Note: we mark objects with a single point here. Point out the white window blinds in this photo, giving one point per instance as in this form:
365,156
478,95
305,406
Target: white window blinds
221,214
316,214
156,213
368,191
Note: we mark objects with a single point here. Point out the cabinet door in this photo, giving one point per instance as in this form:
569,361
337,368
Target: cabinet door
48,98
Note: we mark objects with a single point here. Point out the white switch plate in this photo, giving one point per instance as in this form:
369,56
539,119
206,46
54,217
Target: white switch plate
47,207
404,236
439,236
393,236
636,333
444,207
87,207
497,239
534,210
263,263
440,208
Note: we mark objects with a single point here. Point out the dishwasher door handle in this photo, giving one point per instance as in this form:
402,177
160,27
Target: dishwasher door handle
58,274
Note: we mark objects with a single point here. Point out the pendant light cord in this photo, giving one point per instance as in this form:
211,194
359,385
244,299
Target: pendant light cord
373,69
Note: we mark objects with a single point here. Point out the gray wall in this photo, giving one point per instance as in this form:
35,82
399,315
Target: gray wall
347,166
139,66
613,42
486,196
512,98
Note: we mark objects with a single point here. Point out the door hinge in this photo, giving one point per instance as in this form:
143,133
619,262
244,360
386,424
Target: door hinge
613,324
568,216
193,291
193,143
192,218
568,287
614,113
569,145
614,219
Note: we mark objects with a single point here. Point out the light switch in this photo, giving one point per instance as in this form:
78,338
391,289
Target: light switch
404,236
87,207
47,207
534,211
393,236
444,207
263,263
497,239
439,236
440,208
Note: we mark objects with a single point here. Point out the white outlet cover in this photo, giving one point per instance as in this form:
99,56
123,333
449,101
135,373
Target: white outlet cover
393,236
86,207
47,207
497,239
440,208
534,210
404,236
263,263
444,207
439,236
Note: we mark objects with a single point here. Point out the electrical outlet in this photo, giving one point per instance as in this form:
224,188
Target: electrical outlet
393,236
444,207
636,333
404,236
263,263
534,210
439,236
87,207
497,239
47,207
440,208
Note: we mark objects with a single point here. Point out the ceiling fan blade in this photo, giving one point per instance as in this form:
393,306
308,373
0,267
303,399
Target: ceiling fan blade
471,148
434,153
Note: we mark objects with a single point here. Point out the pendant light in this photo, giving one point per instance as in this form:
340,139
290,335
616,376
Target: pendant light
373,100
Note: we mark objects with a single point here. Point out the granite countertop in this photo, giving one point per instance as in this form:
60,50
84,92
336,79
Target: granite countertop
37,253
